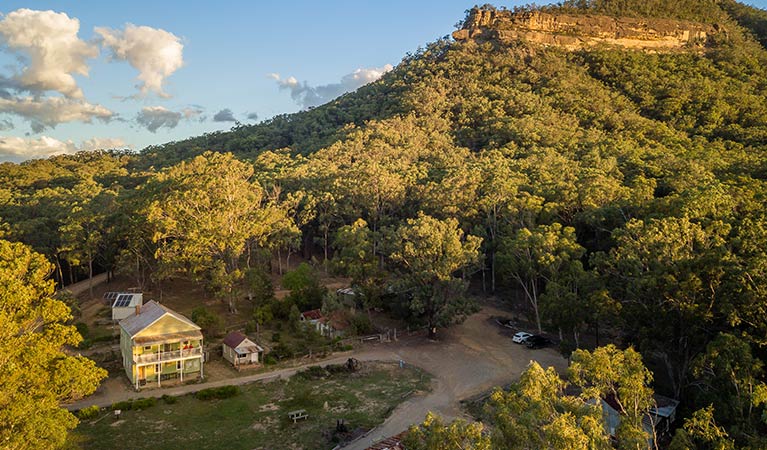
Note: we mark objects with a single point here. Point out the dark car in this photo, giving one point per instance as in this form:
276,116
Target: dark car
537,341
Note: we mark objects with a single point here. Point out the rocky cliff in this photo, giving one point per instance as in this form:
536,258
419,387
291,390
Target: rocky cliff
582,31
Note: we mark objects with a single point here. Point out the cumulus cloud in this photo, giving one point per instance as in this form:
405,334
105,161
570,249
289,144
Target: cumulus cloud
225,115
156,117
16,149
307,96
52,49
6,125
154,52
48,112
192,112
252,116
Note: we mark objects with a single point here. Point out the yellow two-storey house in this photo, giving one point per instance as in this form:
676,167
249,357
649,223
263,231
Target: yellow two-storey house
159,344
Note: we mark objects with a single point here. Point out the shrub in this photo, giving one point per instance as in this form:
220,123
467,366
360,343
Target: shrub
270,360
217,393
209,321
361,324
336,368
126,405
83,329
88,413
282,351
144,403
169,399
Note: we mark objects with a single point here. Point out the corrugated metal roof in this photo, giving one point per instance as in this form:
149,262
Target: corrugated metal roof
234,339
150,313
390,443
314,314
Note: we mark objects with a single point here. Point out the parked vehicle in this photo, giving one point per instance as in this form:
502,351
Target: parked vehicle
520,337
537,341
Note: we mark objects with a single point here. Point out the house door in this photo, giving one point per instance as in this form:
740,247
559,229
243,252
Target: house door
142,372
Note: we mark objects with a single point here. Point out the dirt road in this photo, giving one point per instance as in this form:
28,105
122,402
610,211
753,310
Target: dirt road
468,359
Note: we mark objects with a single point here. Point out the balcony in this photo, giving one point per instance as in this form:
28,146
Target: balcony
173,355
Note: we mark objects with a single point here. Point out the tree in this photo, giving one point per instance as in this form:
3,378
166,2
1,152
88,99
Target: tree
208,320
36,375
430,251
306,291
729,378
355,258
205,213
620,375
700,432
666,273
536,413
84,229
533,258
434,434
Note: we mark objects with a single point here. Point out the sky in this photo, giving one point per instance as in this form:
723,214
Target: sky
87,74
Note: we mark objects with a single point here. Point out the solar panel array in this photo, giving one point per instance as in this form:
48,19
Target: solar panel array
122,300
111,295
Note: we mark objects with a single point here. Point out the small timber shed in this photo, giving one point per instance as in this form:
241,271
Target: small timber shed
240,351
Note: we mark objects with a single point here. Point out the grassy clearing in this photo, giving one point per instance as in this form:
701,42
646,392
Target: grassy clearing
257,417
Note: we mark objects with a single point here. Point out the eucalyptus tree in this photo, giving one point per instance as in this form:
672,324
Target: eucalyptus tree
429,252
205,213
36,373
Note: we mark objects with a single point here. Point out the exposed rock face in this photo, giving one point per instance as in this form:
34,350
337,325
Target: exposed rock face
582,31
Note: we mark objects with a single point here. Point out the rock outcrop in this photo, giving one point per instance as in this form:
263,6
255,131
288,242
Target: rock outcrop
582,31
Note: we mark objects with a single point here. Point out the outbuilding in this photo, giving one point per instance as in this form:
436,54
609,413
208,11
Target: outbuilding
241,351
126,304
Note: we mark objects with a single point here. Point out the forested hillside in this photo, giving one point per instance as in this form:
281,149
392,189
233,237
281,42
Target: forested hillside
611,189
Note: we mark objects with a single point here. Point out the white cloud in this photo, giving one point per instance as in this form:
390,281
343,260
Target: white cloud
155,53
16,149
51,111
307,96
54,52
192,112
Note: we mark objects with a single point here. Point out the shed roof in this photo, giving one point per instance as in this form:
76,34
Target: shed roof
150,313
127,300
314,314
234,339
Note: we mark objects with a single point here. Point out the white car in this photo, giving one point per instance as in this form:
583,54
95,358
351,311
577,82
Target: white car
520,337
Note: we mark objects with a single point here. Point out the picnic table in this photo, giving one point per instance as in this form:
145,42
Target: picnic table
297,414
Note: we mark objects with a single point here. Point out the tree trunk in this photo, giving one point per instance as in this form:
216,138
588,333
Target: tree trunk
59,272
325,244
90,275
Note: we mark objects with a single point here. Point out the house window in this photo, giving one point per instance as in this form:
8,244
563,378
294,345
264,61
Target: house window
157,368
147,348
178,365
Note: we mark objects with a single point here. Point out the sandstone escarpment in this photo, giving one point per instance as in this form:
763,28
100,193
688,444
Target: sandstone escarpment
583,31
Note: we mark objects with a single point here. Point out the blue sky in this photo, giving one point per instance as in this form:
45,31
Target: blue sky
229,52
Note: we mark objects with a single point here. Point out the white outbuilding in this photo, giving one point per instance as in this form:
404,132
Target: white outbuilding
241,351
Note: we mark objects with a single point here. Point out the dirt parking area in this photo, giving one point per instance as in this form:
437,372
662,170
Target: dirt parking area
466,360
